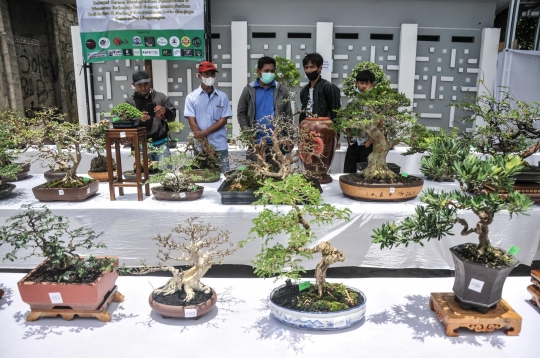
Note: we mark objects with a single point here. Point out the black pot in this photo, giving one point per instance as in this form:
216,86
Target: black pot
490,279
393,167
52,175
6,189
131,123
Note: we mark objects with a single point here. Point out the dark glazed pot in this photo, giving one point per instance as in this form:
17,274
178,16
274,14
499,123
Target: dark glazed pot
6,189
177,196
325,144
486,289
52,175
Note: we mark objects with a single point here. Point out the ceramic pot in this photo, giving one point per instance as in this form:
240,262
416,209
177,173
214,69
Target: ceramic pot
380,192
52,175
325,139
193,311
176,196
23,173
65,194
6,189
100,176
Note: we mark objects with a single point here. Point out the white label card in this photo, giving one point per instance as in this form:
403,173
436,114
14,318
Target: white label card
340,322
190,312
60,192
56,297
122,134
392,190
87,190
328,65
182,195
476,285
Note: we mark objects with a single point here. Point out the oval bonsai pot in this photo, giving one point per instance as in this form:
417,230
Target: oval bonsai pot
320,321
6,189
100,176
392,166
78,296
380,192
20,175
213,176
177,196
492,279
179,311
52,175
66,194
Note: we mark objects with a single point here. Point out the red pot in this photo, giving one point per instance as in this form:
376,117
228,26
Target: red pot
325,139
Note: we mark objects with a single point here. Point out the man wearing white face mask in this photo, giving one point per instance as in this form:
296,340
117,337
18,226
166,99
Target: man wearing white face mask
207,110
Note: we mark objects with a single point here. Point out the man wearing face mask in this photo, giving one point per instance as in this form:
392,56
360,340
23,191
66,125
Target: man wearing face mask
261,101
319,97
144,99
207,110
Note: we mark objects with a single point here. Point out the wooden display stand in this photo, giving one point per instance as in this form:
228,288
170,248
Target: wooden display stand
136,136
534,289
453,317
68,313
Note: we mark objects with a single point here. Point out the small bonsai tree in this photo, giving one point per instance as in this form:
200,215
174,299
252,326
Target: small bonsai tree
44,234
95,143
172,178
379,113
125,112
277,260
196,249
205,156
444,209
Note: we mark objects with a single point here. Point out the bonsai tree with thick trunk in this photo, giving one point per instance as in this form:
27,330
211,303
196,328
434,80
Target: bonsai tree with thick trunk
95,143
195,248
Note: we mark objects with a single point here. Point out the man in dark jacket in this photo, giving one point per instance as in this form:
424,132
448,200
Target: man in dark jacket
157,129
319,97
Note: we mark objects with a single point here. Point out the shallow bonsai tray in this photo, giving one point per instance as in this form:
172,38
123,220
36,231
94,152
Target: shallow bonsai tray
7,190
177,196
65,194
380,192
453,317
201,173
23,173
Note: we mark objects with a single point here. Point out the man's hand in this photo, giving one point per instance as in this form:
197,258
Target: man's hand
159,110
145,116
199,134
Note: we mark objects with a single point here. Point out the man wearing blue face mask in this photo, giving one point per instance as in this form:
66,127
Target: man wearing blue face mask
261,101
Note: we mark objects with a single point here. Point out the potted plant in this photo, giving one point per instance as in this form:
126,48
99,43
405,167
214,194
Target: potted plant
184,295
481,269
95,143
205,161
379,113
320,306
65,278
174,131
125,116
229,132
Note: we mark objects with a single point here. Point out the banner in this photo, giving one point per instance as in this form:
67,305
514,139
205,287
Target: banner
142,29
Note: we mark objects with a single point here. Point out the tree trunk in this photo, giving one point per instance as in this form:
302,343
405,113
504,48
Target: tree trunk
377,167
330,255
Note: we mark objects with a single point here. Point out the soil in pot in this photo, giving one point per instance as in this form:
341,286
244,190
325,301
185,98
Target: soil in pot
6,189
393,167
23,173
177,298
308,300
400,179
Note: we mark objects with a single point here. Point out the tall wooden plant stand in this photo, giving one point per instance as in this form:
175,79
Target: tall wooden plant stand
136,136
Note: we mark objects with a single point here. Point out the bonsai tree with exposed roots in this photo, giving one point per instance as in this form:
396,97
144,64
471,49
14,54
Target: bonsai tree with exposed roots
196,249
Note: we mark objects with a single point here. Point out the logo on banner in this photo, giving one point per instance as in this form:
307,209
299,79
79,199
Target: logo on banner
162,41
104,42
177,52
197,42
166,52
149,41
137,41
136,52
97,54
174,41
198,53
146,52
187,53
128,52
115,52
186,41
90,44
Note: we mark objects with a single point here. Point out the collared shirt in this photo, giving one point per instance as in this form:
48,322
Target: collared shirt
264,108
207,110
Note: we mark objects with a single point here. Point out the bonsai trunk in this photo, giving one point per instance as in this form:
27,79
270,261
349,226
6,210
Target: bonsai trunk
71,174
482,229
377,167
330,255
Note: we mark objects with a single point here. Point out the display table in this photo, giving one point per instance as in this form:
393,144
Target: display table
129,226
399,324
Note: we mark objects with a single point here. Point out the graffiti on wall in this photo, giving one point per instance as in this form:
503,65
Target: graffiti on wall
36,73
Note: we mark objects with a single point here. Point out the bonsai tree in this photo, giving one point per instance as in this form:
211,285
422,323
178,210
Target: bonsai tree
171,178
174,128
196,249
379,114
125,112
204,154
44,234
443,210
284,260
95,143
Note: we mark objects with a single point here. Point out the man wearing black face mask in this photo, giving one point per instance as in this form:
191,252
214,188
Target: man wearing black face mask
319,97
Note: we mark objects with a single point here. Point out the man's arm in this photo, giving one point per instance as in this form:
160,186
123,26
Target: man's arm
241,110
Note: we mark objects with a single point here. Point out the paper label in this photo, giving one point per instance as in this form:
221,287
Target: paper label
56,297
340,322
476,285
392,190
404,175
328,65
190,312
87,190
182,195
60,192
122,134
513,250
303,286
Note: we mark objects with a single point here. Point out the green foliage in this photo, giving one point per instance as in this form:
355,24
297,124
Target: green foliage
126,112
349,84
286,72
15,133
205,156
280,260
48,235
525,30
309,300
442,152
175,127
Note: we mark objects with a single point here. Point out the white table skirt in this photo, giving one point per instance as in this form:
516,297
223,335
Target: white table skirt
129,226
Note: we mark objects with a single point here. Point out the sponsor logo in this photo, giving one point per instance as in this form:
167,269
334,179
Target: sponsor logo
90,44
137,41
136,52
177,52
186,41
128,52
197,42
187,53
174,41
104,42
162,41
198,53
115,52
146,52
150,41
97,54
166,52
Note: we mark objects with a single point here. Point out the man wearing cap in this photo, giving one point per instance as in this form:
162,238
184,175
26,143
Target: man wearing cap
207,110
157,128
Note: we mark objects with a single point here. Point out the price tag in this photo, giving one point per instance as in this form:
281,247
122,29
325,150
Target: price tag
182,195
404,175
195,188
513,250
122,134
340,322
60,192
476,285
392,190
87,190
303,286
190,312
56,297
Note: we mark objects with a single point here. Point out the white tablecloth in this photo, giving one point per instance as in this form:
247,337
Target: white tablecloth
129,226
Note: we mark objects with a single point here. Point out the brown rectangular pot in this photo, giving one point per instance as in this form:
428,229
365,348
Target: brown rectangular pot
78,296
71,194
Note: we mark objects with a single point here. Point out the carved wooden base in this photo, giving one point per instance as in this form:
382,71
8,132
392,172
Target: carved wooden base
68,313
535,293
453,317
535,278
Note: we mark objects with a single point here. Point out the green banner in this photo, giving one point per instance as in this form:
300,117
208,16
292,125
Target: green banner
143,44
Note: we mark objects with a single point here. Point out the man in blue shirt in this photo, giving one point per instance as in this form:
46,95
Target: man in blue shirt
207,110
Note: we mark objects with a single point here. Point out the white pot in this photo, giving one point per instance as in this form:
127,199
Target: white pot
324,321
